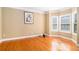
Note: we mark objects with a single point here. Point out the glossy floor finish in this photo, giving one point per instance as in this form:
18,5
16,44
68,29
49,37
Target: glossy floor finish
39,44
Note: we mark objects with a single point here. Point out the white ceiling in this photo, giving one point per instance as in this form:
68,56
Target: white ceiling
46,8
40,9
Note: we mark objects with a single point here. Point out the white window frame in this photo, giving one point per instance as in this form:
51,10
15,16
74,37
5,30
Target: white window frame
73,16
55,30
70,23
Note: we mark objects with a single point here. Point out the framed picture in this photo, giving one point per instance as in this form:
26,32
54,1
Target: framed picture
28,17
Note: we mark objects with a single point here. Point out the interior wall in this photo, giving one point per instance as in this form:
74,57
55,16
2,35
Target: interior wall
78,25
13,23
0,22
66,11
46,24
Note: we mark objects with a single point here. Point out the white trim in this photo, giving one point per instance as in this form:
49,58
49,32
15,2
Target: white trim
65,38
70,23
73,16
17,38
55,30
69,14
36,9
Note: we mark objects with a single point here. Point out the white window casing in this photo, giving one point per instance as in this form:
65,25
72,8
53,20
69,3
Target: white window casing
65,23
54,23
62,26
74,23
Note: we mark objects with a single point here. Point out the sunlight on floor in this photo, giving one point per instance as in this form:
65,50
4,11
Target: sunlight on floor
59,46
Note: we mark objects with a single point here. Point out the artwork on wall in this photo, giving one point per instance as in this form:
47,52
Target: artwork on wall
28,17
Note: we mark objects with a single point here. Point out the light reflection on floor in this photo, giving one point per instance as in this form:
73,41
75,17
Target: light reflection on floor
59,46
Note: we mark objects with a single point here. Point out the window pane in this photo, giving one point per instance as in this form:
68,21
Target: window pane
65,27
65,23
75,28
54,26
65,20
75,23
54,20
75,18
54,23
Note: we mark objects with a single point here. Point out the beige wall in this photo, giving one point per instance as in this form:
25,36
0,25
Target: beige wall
13,23
46,23
0,23
66,11
78,26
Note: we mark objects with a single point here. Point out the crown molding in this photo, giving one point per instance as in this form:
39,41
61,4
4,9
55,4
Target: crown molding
60,10
28,9
40,11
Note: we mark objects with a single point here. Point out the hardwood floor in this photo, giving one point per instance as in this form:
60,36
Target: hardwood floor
39,44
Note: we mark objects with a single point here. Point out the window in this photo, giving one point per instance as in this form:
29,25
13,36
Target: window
54,23
65,23
75,23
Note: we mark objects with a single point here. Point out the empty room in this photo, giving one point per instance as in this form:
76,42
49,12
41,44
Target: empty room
39,29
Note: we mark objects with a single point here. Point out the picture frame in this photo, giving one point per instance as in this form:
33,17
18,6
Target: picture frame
28,17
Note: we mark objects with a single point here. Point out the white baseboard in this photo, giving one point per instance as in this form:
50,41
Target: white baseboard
16,38
34,35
